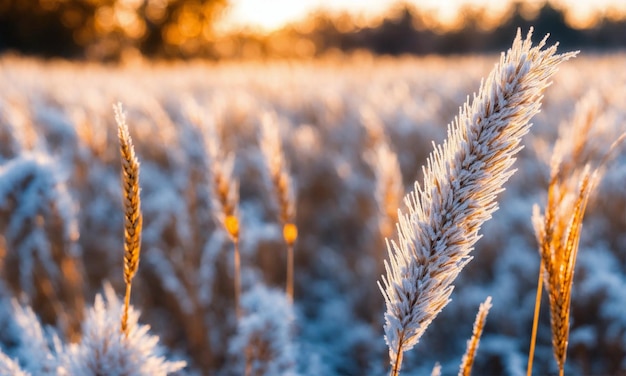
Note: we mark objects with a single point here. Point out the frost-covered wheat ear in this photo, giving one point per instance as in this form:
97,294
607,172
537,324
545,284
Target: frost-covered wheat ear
132,207
440,225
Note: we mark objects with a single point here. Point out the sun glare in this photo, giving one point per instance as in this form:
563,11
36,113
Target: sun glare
269,15
264,15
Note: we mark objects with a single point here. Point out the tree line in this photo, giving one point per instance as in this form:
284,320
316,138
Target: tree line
109,29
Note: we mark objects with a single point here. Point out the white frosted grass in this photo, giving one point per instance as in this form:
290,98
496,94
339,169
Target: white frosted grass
35,350
439,227
263,341
34,184
10,366
104,350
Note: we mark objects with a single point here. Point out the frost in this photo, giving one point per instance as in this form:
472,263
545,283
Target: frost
103,349
263,343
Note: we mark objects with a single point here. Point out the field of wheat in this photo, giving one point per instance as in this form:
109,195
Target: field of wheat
234,158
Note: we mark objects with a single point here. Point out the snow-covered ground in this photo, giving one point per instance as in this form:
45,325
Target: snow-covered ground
61,212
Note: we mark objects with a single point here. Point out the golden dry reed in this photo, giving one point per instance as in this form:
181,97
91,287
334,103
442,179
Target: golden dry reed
558,233
472,344
572,181
132,208
282,187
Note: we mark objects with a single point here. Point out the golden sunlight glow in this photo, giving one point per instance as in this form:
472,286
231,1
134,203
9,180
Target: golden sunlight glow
264,15
269,15
584,13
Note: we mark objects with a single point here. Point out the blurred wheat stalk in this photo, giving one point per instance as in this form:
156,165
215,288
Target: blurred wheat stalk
224,189
461,181
573,177
132,208
282,187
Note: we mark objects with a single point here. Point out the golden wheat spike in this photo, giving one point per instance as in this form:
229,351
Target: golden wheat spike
558,229
472,344
132,207
560,260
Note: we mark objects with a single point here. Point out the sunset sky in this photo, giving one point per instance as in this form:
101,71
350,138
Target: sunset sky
267,15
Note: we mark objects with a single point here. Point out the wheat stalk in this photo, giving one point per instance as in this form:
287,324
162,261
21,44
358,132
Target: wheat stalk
282,187
384,163
440,225
558,229
389,185
132,208
570,151
558,232
225,200
472,344
533,335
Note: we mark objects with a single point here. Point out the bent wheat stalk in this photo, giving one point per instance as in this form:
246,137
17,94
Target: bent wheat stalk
439,227
132,208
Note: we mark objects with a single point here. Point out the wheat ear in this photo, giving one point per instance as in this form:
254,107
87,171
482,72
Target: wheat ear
282,187
225,200
440,225
389,185
472,344
132,208
570,152
558,234
558,229
558,247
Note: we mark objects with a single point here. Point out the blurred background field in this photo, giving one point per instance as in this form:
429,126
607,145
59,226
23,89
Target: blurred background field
56,118
336,82
114,30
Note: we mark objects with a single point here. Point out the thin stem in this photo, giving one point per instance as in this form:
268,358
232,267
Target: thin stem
395,370
533,338
125,312
237,278
289,289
